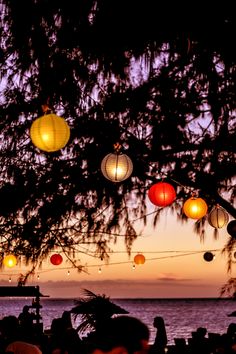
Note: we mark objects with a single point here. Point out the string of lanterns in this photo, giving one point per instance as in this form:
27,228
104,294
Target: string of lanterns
51,133
139,259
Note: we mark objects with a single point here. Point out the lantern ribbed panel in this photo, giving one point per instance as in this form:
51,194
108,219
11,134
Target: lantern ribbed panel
218,217
116,167
195,208
50,132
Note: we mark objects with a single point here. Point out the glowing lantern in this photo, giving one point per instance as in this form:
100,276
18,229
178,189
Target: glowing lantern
195,208
231,228
9,261
162,194
139,259
117,166
50,132
56,259
208,256
218,217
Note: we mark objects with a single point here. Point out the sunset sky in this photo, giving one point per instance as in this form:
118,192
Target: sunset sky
171,274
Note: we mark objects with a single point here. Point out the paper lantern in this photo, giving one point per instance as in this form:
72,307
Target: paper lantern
195,208
231,228
218,217
139,259
50,132
9,261
116,167
162,194
56,259
208,256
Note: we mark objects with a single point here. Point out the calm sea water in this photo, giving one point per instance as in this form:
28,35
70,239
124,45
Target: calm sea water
182,316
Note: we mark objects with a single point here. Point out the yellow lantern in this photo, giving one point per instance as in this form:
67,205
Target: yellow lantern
195,208
116,167
50,132
9,261
139,259
218,217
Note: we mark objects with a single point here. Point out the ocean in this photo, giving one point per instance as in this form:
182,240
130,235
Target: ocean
181,316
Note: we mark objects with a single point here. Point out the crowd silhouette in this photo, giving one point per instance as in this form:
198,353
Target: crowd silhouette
122,334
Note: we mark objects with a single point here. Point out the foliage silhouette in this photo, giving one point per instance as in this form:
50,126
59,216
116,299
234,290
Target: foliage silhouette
163,86
94,310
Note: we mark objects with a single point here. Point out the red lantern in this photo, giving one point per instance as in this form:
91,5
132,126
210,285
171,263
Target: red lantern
56,259
139,259
195,208
162,194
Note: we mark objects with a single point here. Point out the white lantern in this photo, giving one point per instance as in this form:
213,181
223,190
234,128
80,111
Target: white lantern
218,217
116,167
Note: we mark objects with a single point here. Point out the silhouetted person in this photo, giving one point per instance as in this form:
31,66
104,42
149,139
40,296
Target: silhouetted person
26,321
122,334
160,341
66,317
199,343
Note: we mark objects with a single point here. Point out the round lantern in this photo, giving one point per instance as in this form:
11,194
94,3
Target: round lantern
195,208
9,261
116,167
231,228
56,259
50,132
208,256
162,194
218,217
139,259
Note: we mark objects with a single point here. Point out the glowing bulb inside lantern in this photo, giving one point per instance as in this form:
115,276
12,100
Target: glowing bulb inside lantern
118,171
45,137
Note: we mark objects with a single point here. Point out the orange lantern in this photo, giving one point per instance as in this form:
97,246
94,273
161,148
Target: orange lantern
56,259
218,217
195,208
139,259
162,194
9,261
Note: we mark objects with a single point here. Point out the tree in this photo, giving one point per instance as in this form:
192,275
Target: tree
159,79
